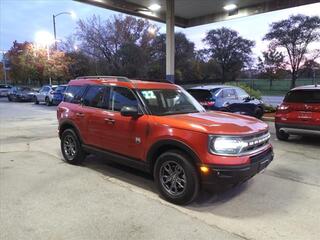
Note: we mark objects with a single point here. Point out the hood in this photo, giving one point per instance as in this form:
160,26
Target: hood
214,122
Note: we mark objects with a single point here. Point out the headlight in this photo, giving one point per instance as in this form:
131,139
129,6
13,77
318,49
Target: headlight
235,146
226,145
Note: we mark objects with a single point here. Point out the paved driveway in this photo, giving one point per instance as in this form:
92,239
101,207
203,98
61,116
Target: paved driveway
42,197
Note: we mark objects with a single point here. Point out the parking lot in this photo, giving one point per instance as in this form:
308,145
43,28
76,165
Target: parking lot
42,197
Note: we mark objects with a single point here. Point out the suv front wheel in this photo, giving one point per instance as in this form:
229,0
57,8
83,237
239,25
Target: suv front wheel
176,177
71,147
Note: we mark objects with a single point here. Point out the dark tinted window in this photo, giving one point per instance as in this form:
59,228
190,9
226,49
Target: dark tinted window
303,96
94,96
73,94
122,97
61,89
201,95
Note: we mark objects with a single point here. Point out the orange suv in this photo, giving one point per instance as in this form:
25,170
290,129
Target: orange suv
160,128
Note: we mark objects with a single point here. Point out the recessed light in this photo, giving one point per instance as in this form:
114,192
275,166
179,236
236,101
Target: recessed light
154,7
230,7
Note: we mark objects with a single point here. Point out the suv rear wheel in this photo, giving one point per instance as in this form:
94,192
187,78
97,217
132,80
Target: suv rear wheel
48,102
282,135
176,177
71,147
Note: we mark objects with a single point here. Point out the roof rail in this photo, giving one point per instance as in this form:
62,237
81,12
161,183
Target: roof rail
119,78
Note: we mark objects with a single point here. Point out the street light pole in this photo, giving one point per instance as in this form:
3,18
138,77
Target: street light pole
54,25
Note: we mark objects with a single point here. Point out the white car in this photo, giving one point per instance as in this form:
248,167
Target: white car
45,94
4,89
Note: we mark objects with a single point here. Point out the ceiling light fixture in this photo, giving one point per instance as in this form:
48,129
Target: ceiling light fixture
230,7
154,7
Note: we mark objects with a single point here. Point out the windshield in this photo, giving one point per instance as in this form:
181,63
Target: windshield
170,101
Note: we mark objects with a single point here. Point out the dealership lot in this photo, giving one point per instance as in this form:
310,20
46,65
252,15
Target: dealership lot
42,197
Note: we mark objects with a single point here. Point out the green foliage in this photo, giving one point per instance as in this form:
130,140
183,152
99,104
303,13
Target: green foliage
269,108
252,92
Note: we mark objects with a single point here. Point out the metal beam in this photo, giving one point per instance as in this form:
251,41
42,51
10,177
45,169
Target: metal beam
170,44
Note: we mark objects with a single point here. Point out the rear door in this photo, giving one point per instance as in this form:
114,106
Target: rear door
43,93
303,106
96,112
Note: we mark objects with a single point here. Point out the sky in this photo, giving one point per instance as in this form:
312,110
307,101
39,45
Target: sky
21,19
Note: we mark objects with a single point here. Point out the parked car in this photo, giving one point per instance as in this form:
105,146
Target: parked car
227,99
58,94
299,113
4,89
45,94
161,129
21,94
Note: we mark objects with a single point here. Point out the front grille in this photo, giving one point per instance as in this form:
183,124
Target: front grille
255,142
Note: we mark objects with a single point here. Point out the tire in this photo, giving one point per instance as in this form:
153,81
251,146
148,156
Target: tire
282,135
185,177
10,99
71,147
258,112
36,100
48,102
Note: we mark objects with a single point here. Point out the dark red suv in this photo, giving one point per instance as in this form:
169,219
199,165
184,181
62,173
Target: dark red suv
299,114
161,129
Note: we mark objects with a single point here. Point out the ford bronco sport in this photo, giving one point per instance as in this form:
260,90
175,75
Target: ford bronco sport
160,128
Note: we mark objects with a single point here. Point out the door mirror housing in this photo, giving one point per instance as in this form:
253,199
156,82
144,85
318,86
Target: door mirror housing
131,111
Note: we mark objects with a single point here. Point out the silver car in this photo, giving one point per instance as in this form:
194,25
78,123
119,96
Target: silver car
4,89
45,94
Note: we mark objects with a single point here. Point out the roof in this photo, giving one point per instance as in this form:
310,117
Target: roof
116,81
189,13
307,87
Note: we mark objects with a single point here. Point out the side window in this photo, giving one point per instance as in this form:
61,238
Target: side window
42,89
229,93
73,94
94,96
121,97
242,94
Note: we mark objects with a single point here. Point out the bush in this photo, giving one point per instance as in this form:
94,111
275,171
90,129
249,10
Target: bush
269,108
252,92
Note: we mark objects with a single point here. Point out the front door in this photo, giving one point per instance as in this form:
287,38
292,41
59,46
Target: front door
127,135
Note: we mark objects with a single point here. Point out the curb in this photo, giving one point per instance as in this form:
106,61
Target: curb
268,119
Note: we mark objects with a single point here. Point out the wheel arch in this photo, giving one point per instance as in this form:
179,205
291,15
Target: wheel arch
69,125
165,145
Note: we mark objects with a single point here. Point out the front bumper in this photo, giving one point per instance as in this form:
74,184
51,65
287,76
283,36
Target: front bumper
232,174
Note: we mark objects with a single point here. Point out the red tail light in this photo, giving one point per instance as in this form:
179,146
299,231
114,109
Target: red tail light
207,103
283,108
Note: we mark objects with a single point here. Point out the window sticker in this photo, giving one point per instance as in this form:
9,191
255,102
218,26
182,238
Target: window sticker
149,95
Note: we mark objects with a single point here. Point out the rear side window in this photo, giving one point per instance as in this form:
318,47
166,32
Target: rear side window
73,94
303,96
94,96
121,97
201,95
229,93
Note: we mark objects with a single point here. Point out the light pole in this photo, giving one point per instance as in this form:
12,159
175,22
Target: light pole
72,14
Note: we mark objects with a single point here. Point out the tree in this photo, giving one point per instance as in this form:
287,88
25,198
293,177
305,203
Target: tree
184,58
103,39
31,65
272,65
294,35
229,50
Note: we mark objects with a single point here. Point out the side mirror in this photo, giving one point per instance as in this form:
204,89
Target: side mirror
130,111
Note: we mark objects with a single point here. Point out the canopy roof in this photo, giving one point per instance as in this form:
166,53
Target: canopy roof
189,13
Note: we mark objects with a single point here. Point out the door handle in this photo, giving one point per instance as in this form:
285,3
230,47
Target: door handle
80,114
109,120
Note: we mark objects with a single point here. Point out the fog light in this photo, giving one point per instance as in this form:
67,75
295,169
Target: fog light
204,169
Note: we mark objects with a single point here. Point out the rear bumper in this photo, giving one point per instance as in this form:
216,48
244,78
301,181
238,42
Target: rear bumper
224,174
298,128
